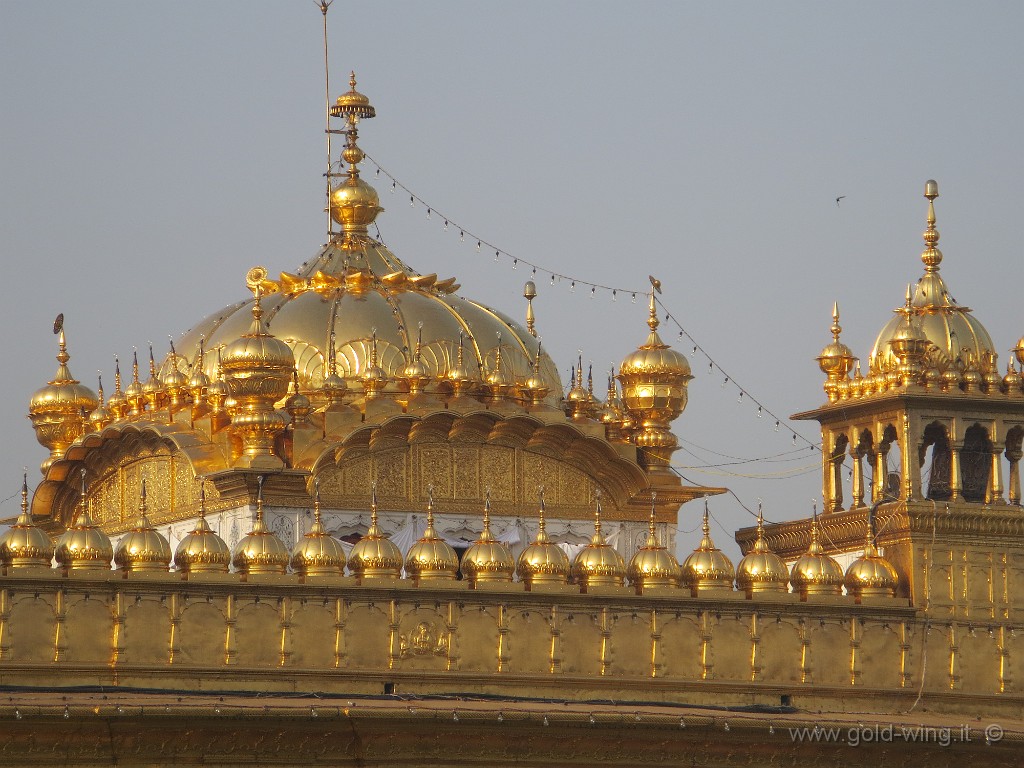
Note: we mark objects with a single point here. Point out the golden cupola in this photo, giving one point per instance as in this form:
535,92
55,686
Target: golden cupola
199,383
654,389
327,309
202,550
143,548
815,572
84,545
153,388
707,569
101,415
577,404
956,340
133,393
258,369
543,561
836,359
176,385
318,553
117,404
431,558
60,410
375,556
870,575
761,570
487,559
598,564
24,544
260,551
652,565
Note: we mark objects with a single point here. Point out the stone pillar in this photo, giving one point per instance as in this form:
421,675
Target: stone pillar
956,482
995,485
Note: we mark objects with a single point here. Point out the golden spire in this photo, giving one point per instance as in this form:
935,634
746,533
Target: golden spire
101,416
153,389
217,392
117,404
836,359
707,569
487,559
534,390
908,343
496,382
175,384
375,556
543,561
598,564
761,570
134,394
431,558
415,375
143,548
297,405
354,204
374,378
334,386
931,255
24,544
576,401
530,293
318,553
815,572
260,551
84,546
199,382
202,550
653,565
459,377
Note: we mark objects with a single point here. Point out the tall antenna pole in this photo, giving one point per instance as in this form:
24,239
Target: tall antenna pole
324,5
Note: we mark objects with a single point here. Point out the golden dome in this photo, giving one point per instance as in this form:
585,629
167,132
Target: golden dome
374,380
487,559
199,381
318,553
117,404
870,575
25,544
84,546
101,415
153,389
260,551
297,405
836,359
431,558
143,548
652,565
175,383
202,550
761,570
133,394
59,410
354,204
946,325
375,556
815,572
598,564
707,568
543,561
353,103
576,401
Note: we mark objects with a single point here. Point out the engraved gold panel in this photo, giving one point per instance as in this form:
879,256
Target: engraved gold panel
147,631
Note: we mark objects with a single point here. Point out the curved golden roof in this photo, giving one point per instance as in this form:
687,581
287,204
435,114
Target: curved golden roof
598,564
870,575
487,559
202,550
143,548
815,572
260,551
431,558
953,331
652,565
318,553
707,567
543,561
84,546
25,544
761,570
375,556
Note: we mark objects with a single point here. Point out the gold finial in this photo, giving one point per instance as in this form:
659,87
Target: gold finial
430,508
373,504
142,499
541,532
81,497
836,328
152,363
652,320
931,255
117,376
259,499
650,522
316,501
202,497
597,516
135,367
706,525
530,293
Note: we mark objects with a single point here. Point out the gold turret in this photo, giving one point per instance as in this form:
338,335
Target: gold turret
354,204
318,553
870,575
415,376
59,410
498,382
101,416
534,389
431,558
199,383
543,561
375,556
577,404
598,564
653,566
909,344
117,404
460,379
24,544
707,569
260,551
297,406
143,548
761,570
815,572
133,395
84,546
258,369
530,293
176,385
836,359
153,389
374,379
217,396
612,414
334,387
487,559
654,389
202,550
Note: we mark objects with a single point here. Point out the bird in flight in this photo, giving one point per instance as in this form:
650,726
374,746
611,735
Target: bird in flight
838,199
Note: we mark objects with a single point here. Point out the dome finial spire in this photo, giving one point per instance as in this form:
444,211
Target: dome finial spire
652,320
836,327
530,293
931,255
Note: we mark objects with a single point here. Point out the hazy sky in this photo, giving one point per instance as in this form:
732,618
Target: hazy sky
153,152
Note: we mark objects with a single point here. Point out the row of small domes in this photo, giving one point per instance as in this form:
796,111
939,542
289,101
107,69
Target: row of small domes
707,570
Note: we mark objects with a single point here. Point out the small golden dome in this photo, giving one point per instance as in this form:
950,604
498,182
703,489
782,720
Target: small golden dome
498,381
414,375
535,389
202,550
25,544
143,548
459,377
543,561
199,381
84,546
815,572
117,404
375,556
652,565
297,405
431,558
133,393
707,568
761,570
836,359
870,575
487,559
353,103
59,410
598,564
153,389
1018,352
318,553
354,204
260,551
374,379
102,415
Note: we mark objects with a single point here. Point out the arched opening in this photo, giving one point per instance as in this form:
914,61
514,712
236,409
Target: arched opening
935,459
862,480
976,464
889,477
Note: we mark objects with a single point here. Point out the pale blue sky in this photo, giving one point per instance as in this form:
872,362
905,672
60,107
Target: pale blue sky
153,152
